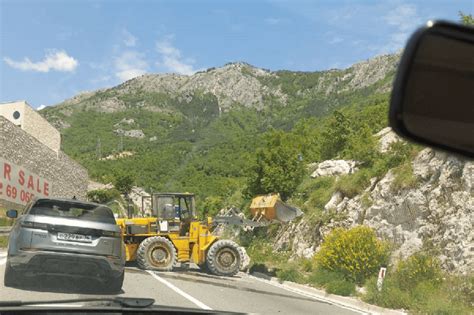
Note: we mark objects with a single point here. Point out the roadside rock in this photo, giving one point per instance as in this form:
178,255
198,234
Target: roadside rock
95,186
135,133
386,138
245,259
136,195
334,167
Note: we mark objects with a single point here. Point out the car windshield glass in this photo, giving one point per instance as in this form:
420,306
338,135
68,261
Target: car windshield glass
239,153
65,209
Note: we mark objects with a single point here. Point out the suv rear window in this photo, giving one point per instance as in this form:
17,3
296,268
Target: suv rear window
73,210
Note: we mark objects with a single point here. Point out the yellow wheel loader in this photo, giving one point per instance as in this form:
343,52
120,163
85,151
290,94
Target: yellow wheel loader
173,234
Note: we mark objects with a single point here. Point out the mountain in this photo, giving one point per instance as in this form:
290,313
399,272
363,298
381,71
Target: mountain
233,85
198,132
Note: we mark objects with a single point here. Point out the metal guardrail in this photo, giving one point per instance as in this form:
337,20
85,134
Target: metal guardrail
5,230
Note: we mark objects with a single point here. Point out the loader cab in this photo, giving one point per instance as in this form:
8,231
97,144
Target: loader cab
176,208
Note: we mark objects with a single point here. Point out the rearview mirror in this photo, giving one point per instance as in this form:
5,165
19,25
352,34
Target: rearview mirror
433,94
12,214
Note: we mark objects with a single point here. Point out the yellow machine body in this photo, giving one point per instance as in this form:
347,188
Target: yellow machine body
270,207
190,248
174,220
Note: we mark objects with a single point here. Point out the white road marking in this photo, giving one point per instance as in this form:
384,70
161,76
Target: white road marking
307,294
179,291
3,261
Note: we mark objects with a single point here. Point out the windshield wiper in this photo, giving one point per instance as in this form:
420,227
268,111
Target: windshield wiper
122,301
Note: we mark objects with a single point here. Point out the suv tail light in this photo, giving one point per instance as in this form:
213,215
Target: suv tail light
34,225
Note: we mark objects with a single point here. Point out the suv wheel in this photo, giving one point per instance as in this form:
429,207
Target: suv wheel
11,277
114,285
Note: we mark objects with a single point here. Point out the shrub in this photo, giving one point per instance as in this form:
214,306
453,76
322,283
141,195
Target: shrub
261,252
356,253
102,195
341,287
353,184
390,296
321,277
417,268
290,273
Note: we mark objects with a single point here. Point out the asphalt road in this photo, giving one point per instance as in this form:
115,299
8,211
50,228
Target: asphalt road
184,288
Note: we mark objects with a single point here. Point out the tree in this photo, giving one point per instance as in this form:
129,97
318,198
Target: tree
335,135
361,146
123,183
278,167
466,19
102,195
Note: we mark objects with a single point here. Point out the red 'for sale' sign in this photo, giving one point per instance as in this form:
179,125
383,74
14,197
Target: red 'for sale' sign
19,185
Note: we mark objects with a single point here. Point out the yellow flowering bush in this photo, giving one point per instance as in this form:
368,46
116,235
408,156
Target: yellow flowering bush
356,253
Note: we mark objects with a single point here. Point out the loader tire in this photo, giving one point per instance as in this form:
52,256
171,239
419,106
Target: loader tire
156,253
223,258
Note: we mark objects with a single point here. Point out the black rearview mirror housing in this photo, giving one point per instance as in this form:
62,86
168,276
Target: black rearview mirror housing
12,214
432,100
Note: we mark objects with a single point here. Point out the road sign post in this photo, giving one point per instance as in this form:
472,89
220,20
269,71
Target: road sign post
382,273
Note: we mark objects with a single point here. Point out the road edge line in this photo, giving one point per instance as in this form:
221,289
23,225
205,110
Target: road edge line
179,291
315,296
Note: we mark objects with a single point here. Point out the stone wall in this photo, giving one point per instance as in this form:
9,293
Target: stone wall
67,178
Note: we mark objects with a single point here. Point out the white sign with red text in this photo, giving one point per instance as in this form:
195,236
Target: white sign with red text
19,185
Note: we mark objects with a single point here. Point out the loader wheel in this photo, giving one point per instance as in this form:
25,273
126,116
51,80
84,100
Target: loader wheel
156,253
223,258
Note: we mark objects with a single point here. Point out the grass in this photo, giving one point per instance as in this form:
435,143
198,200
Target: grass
3,241
404,177
353,184
341,287
5,222
448,294
430,293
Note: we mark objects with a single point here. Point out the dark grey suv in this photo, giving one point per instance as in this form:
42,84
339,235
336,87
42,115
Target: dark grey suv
68,238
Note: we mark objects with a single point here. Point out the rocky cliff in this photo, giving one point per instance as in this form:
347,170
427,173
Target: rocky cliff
436,212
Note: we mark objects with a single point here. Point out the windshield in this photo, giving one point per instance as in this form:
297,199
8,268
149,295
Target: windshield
227,155
72,210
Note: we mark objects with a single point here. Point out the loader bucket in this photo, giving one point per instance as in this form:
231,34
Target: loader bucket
271,208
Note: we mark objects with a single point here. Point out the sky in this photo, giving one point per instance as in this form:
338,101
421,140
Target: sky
53,50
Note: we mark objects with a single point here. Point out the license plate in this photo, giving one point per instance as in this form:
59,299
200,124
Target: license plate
74,237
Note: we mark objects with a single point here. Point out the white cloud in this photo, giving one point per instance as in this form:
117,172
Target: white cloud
404,18
130,64
272,21
335,40
42,106
171,59
54,60
128,39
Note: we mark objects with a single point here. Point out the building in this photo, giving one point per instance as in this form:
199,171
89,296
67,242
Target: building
22,115
31,162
